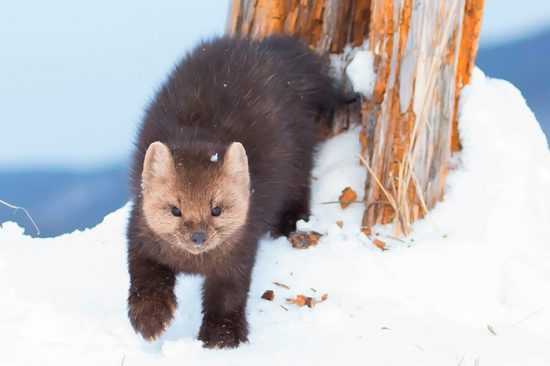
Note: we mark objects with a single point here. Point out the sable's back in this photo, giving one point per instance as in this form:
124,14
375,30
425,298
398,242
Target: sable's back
266,94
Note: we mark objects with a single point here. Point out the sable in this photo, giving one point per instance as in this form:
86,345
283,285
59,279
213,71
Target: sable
224,155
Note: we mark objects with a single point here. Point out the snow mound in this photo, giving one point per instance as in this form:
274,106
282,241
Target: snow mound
471,285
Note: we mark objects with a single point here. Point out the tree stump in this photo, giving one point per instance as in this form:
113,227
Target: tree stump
424,54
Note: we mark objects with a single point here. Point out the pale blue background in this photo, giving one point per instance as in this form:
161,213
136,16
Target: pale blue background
75,75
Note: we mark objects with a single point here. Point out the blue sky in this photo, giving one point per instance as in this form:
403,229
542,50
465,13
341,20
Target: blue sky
75,76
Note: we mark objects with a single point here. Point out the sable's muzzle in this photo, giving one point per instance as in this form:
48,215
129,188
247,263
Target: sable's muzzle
198,237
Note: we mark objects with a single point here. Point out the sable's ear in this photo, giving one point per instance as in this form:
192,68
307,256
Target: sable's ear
158,165
235,162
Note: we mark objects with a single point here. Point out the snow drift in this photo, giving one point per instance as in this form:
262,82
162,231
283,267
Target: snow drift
471,285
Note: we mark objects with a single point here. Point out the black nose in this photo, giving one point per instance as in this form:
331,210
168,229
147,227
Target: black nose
198,237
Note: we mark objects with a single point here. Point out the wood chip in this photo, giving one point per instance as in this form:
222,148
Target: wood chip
379,244
302,300
347,197
299,300
304,239
268,295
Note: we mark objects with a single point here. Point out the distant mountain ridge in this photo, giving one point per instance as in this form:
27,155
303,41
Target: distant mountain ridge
62,201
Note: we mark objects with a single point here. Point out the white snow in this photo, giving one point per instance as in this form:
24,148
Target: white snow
361,72
470,286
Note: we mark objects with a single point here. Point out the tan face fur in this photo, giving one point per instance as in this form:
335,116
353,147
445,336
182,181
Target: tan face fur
166,184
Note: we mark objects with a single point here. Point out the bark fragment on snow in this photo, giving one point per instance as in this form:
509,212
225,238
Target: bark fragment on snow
347,197
304,239
268,295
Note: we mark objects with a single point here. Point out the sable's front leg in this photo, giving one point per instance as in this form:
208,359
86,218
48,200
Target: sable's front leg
151,300
224,307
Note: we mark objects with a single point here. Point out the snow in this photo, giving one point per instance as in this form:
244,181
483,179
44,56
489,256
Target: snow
470,286
358,65
361,72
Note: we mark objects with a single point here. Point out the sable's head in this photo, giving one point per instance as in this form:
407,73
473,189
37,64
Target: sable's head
195,204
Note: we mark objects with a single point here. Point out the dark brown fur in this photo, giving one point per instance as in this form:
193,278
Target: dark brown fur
267,95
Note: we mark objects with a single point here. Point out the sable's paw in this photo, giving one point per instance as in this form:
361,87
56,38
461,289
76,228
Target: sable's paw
226,333
151,314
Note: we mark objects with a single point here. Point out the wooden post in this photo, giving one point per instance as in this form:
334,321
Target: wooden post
424,54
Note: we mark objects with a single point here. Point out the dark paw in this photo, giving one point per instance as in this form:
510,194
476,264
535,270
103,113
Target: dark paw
287,224
151,314
287,228
225,333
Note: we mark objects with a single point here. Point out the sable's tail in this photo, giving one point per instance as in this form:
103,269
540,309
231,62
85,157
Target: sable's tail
310,78
350,98
329,121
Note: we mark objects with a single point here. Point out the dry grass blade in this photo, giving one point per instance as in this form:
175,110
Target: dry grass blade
420,194
389,197
386,193
26,213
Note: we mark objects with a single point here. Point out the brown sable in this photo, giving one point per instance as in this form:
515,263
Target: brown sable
224,155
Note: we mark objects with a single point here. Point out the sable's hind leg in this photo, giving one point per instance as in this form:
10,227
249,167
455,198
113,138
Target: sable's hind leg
297,209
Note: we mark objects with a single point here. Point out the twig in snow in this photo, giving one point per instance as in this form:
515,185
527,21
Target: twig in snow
392,238
26,213
529,316
281,285
338,202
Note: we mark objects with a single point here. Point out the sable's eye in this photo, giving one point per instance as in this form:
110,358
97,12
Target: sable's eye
216,211
175,211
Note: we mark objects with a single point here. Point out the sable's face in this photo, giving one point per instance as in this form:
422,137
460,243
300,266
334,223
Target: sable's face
195,210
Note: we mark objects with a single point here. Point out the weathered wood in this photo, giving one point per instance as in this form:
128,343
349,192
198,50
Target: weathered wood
424,54
326,25
473,14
